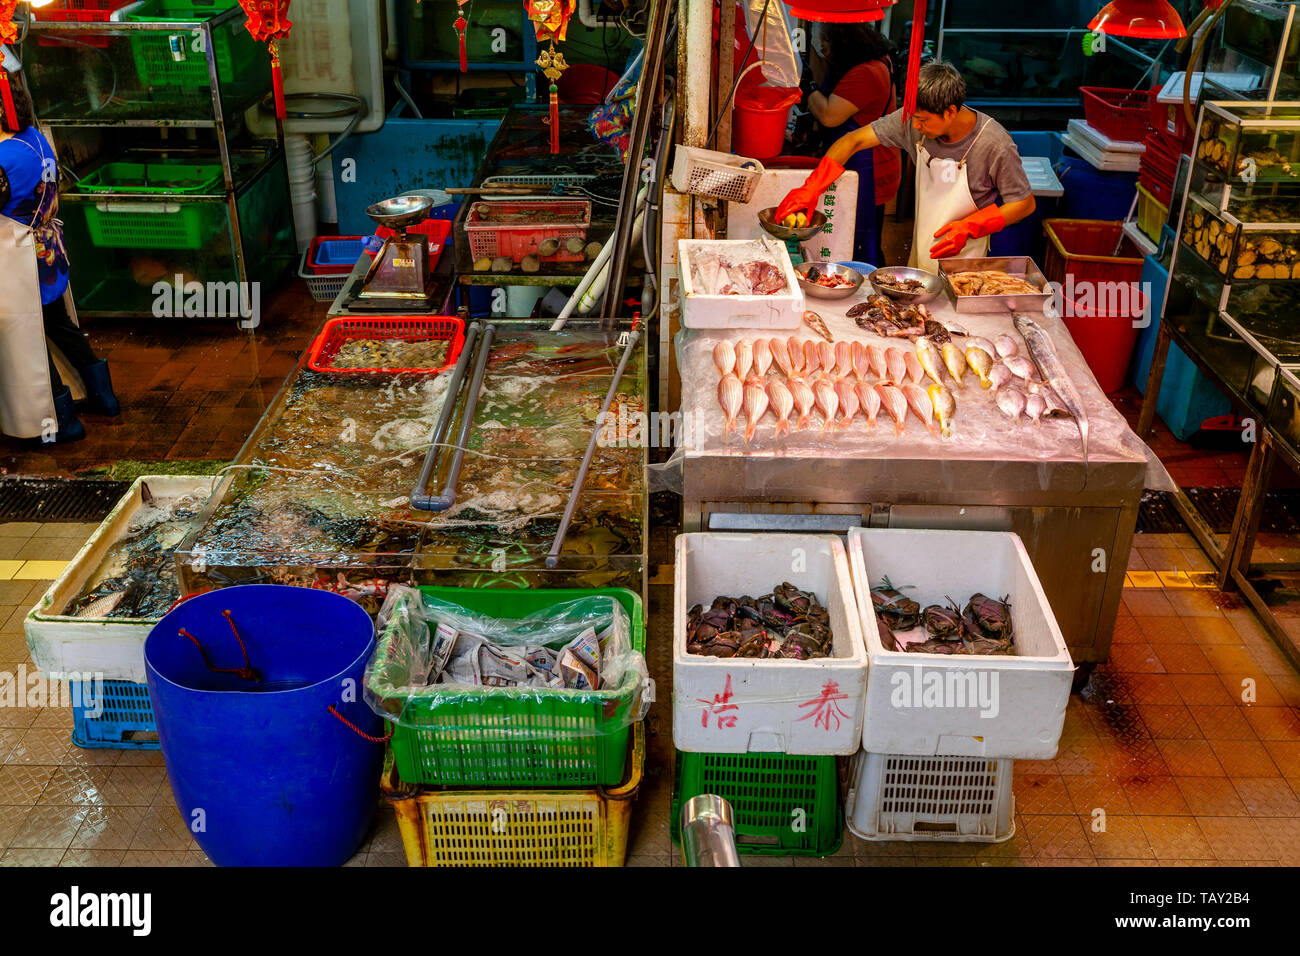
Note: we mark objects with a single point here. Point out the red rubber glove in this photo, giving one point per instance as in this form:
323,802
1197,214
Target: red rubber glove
803,198
955,235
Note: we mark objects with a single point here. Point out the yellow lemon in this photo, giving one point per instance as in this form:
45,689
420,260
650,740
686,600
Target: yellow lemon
790,221
803,219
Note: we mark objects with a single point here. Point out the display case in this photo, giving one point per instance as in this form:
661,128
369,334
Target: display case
1254,52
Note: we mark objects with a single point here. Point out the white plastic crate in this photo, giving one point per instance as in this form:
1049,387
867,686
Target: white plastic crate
781,311
323,288
113,646
707,172
961,705
741,705
943,799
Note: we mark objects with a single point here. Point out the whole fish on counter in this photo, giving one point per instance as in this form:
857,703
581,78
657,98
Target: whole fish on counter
914,367
999,375
1043,352
929,358
724,357
869,399
762,357
945,407
730,397
893,401
818,325
804,400
843,359
826,352
811,359
861,361
844,391
782,403
920,404
981,364
897,366
1011,401
744,359
781,354
879,363
1035,405
1006,346
794,352
827,401
755,406
1020,367
955,362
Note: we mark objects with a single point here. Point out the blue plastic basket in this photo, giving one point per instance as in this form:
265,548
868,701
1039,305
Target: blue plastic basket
338,254
125,721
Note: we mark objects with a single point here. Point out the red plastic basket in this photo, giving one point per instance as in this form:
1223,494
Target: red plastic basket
409,328
78,11
438,230
316,267
492,239
1085,249
1120,114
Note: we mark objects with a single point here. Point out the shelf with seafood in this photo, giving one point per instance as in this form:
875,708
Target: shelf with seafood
1249,142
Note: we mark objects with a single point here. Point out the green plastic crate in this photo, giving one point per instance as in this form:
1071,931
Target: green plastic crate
784,805
153,225
464,739
235,51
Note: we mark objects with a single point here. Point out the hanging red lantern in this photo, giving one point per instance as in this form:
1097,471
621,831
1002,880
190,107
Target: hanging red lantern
8,34
551,21
268,22
1147,19
839,11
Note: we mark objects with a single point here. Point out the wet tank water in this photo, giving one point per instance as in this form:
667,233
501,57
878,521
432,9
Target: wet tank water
261,770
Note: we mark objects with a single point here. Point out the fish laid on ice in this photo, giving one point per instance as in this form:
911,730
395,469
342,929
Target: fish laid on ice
861,361
955,362
1020,367
826,352
804,400
929,358
956,328
1035,405
1006,345
1054,406
979,342
762,356
945,407
869,399
827,401
879,364
724,357
778,394
818,325
1011,401
794,352
981,364
744,359
893,401
843,359
781,355
849,403
811,359
914,367
755,406
1043,352
999,375
919,402
730,396
897,366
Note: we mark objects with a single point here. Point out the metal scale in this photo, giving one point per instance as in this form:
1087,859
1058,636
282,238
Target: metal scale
401,268
790,235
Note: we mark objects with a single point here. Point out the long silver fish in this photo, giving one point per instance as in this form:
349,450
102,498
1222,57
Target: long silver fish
1043,352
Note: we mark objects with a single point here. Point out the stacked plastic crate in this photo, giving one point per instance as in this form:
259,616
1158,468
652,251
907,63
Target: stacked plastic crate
764,734
941,732
514,776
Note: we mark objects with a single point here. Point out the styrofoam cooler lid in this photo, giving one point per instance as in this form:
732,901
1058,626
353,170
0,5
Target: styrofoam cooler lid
1106,162
1042,178
1101,141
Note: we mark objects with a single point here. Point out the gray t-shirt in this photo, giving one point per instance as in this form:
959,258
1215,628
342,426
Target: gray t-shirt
993,164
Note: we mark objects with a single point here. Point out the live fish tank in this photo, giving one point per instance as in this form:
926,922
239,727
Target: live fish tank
1249,143
1255,52
320,494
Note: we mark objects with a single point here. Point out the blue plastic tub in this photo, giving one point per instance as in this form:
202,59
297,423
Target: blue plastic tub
120,719
338,253
262,772
1187,397
1091,193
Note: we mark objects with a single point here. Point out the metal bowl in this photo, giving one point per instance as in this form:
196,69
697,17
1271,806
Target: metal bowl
832,268
767,219
932,290
400,211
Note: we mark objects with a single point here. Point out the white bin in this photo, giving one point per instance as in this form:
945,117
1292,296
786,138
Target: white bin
781,311
961,705
937,799
113,646
742,705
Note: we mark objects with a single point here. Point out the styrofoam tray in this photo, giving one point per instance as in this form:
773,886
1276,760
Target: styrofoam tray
781,311
1042,178
1099,140
1106,162
109,647
961,705
741,705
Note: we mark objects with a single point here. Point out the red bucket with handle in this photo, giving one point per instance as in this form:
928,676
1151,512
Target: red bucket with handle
760,118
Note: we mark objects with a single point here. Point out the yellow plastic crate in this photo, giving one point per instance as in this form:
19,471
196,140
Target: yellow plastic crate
460,827
1151,214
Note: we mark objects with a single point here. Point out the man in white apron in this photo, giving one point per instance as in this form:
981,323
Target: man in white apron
965,161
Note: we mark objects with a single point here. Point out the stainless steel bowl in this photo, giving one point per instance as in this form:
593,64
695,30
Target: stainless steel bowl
933,285
767,219
400,211
832,268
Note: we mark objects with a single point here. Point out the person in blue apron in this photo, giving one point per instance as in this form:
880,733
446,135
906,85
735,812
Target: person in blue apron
34,401
857,89
965,162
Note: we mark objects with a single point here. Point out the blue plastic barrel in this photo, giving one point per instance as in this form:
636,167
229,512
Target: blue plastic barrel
262,772
1094,194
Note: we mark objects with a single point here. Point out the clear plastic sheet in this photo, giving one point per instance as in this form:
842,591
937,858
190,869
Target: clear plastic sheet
433,652
781,62
980,431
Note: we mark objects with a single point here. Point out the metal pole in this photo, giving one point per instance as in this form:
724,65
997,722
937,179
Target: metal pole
709,832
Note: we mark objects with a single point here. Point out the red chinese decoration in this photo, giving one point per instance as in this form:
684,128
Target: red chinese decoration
914,58
461,24
268,22
551,21
8,34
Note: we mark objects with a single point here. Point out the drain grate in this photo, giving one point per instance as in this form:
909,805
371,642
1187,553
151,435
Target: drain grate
1218,506
58,499
1157,515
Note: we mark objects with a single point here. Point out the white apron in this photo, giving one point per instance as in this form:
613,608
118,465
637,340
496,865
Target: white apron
942,196
26,401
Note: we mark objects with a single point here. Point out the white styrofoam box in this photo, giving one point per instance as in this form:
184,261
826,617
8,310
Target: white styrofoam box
112,646
742,705
936,799
781,311
961,705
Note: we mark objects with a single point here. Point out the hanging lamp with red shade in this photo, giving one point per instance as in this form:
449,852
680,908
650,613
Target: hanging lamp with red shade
839,11
268,22
8,34
1142,19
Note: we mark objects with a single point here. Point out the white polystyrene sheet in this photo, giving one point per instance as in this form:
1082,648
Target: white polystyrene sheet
1095,137
1042,178
980,431
833,246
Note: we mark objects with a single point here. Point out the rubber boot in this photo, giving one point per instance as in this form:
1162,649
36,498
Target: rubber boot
70,427
99,388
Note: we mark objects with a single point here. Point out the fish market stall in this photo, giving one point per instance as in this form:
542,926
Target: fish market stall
982,458
322,492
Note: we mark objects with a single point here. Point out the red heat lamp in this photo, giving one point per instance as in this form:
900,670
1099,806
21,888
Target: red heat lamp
1146,19
839,11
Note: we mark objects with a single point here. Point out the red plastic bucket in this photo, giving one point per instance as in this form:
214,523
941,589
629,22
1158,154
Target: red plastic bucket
759,121
1106,337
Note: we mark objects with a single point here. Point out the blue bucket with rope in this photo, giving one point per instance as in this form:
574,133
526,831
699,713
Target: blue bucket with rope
272,754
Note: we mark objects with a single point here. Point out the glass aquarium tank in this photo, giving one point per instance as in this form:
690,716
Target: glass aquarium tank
1255,52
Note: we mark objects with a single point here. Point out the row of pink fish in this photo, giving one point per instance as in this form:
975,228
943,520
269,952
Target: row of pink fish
806,358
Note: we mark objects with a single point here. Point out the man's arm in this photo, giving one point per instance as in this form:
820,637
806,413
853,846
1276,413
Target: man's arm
851,143
1016,211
